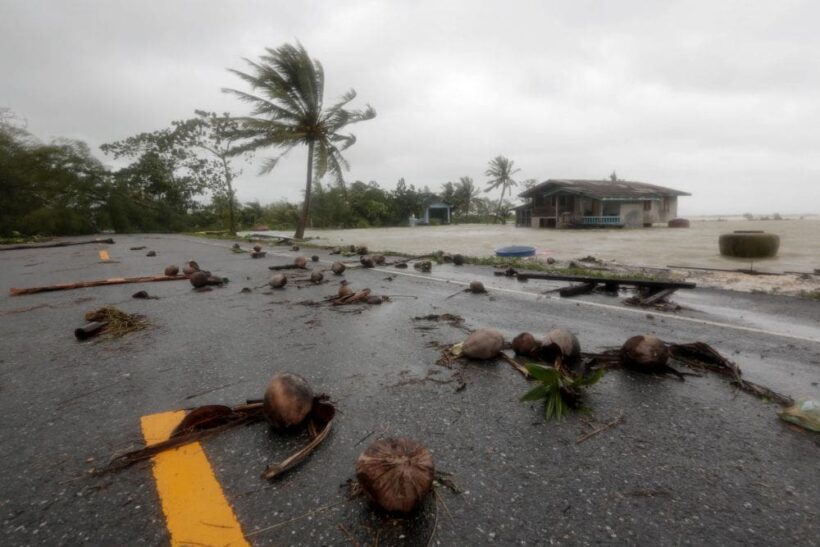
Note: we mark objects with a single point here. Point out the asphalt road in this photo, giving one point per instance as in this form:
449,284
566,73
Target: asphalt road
694,462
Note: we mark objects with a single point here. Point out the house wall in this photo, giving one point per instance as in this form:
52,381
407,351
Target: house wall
632,213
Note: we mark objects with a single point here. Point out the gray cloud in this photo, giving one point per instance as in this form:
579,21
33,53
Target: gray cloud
713,98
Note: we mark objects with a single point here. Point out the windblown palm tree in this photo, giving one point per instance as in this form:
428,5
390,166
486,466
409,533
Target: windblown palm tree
501,171
287,89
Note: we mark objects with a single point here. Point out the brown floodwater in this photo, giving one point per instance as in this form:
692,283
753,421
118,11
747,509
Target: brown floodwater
654,247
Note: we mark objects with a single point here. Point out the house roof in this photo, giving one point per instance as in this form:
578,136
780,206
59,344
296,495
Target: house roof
600,189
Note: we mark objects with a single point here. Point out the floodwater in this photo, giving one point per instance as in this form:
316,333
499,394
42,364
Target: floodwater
653,247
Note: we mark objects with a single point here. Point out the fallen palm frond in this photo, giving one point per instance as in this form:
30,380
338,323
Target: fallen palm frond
96,283
701,356
209,420
319,423
49,245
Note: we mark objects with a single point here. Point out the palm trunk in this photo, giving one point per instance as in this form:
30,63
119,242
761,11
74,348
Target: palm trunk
303,218
229,182
498,208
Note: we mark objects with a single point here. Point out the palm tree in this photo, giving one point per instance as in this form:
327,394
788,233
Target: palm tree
500,171
466,192
287,89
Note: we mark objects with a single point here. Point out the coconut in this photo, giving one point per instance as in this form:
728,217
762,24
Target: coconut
257,248
477,287
561,342
190,267
396,473
316,276
314,258
458,260
447,258
345,290
199,279
338,268
375,299
526,344
151,253
300,261
483,344
645,352
361,250
295,248
378,259
288,400
367,261
277,281
171,270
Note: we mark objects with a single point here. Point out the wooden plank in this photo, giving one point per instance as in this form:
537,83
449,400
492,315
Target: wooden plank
588,279
96,283
50,245
657,297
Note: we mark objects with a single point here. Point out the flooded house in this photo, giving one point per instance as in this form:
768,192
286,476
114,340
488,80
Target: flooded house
560,203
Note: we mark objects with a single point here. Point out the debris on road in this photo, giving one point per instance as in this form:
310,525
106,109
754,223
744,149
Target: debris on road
804,413
50,245
151,253
338,268
482,344
277,281
171,270
190,267
316,276
477,287
138,248
113,321
367,261
396,473
561,390
95,283
143,295
423,266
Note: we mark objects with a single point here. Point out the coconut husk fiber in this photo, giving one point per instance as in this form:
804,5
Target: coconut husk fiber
118,323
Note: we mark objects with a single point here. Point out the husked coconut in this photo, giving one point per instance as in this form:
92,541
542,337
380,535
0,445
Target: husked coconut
483,344
526,344
367,261
338,268
378,259
560,342
190,267
645,352
396,473
277,281
361,250
199,279
300,262
288,400
344,290
477,287
316,276
171,271
257,248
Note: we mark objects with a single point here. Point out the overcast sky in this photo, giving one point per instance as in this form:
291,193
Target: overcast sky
715,98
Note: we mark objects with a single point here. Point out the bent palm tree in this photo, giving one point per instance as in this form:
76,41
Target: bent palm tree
501,171
287,89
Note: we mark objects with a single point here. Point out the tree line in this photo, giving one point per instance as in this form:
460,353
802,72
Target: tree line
182,178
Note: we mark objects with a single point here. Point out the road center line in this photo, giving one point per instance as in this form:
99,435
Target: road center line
195,508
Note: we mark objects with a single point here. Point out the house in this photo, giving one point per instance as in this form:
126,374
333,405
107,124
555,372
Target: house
560,203
437,211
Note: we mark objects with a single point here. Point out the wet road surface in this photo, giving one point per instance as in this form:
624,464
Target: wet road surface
693,463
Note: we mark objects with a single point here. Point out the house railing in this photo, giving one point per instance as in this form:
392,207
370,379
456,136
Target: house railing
608,220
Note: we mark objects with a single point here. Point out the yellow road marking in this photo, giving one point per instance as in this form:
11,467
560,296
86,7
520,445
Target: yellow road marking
104,256
195,508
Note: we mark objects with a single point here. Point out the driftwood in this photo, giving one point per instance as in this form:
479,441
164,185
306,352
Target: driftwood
96,283
49,245
612,282
574,290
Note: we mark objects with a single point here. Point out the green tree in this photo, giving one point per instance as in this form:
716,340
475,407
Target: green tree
287,92
465,193
216,136
500,171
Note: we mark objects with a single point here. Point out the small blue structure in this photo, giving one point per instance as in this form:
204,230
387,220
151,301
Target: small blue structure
516,251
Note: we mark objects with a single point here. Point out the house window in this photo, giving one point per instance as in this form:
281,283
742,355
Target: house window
647,205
